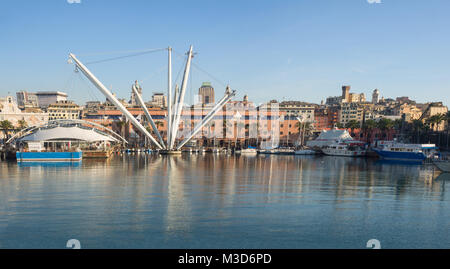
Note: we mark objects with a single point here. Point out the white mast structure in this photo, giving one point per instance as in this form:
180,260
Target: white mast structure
169,93
174,106
147,114
179,103
228,95
113,99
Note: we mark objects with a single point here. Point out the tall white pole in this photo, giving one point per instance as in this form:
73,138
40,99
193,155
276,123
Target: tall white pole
174,102
179,104
147,114
169,95
175,99
113,99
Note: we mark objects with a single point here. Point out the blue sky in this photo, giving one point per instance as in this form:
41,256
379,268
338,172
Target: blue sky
286,50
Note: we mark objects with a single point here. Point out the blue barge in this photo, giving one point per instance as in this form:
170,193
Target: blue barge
74,156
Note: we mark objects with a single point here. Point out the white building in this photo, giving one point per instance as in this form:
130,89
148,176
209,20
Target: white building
47,98
10,111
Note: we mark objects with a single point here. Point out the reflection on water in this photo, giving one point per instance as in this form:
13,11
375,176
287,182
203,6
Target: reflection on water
220,201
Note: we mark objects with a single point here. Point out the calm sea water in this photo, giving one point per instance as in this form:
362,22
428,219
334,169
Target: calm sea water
219,201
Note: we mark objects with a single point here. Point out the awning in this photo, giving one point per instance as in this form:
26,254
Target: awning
67,133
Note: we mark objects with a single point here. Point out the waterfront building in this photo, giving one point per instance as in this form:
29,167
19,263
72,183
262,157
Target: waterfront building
64,110
206,93
322,119
296,109
239,123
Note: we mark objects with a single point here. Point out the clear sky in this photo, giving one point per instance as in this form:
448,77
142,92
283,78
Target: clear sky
286,50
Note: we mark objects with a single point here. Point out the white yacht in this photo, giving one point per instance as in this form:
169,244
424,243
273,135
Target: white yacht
346,148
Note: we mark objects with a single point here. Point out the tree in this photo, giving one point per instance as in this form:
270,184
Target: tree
418,127
6,125
384,125
433,122
22,124
120,124
368,127
352,125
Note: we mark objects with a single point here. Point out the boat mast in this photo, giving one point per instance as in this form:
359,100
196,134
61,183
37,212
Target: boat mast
113,99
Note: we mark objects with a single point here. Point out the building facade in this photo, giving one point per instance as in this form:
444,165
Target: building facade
46,98
159,99
9,110
66,110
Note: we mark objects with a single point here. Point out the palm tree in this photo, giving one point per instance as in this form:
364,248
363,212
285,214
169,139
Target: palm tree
435,120
418,127
384,125
120,124
352,125
368,127
159,124
22,124
6,125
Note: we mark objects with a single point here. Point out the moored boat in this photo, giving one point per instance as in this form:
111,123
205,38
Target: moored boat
346,148
285,151
443,165
392,150
305,152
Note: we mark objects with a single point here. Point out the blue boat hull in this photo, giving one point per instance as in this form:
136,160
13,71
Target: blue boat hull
49,156
401,156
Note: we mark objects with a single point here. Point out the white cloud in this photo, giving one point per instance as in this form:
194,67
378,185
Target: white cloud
374,1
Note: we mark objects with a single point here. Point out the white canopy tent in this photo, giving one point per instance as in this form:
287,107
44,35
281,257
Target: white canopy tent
328,137
67,133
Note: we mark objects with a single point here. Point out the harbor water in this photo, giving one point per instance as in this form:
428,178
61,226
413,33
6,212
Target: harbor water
224,201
